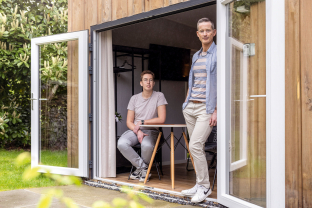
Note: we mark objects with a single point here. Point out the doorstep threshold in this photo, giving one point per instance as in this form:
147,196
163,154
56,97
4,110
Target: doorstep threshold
155,193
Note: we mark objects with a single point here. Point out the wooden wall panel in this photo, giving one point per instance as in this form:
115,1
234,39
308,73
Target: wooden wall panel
119,9
257,111
104,11
135,7
77,16
306,96
293,107
91,15
153,4
130,7
261,174
176,1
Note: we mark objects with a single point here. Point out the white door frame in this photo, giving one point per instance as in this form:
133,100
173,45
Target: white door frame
275,107
82,37
242,161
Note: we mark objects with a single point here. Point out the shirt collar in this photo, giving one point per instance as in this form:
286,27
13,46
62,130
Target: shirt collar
210,50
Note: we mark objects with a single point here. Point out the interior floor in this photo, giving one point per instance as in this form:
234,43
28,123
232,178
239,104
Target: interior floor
184,179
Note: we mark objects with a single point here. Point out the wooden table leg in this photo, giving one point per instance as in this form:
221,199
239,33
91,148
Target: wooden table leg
172,159
153,157
187,145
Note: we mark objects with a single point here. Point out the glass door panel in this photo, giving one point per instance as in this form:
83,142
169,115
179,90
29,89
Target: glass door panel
59,103
247,69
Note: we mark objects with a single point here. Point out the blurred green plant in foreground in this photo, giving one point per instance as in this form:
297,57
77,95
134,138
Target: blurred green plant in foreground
132,201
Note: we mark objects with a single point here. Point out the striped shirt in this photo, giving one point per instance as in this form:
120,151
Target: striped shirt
198,91
211,81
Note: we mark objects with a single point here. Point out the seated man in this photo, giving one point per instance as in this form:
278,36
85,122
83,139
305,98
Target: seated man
147,107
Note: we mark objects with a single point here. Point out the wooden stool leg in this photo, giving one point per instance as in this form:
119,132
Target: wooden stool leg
172,160
187,145
152,159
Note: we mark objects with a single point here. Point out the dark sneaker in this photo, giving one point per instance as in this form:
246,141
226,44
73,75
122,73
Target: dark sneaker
143,175
136,174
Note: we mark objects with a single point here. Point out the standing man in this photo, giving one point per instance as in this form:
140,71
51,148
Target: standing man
200,106
147,107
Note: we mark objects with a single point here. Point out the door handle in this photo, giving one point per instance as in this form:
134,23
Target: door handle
32,101
257,96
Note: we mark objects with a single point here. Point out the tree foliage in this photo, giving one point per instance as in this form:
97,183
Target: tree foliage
19,22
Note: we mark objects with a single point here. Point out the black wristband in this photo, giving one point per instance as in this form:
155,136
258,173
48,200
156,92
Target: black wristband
142,121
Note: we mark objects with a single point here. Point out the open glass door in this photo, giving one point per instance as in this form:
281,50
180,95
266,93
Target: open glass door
245,102
59,103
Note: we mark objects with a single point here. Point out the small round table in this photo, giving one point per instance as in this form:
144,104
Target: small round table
171,147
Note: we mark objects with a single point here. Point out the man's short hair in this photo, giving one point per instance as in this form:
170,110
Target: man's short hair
147,72
205,19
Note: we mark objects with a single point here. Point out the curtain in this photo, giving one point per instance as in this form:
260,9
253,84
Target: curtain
107,143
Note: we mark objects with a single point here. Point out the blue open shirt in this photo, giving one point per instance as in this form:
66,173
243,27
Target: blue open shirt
211,83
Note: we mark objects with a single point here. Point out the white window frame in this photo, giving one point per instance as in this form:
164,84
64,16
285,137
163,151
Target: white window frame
82,37
243,107
275,107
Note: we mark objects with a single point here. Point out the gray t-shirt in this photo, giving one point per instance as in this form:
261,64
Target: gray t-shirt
145,109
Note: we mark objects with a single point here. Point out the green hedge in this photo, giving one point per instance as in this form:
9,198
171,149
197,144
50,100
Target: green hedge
21,20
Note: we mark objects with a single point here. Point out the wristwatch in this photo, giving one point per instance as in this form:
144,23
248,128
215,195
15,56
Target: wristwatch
142,121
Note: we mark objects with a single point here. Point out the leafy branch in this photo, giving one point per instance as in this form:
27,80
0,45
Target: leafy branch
46,200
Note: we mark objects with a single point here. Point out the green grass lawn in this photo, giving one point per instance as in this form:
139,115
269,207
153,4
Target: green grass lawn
11,175
54,158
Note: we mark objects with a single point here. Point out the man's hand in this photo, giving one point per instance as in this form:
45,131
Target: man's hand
141,135
137,127
213,119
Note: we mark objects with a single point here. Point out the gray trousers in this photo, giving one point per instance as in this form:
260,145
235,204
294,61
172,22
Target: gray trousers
129,139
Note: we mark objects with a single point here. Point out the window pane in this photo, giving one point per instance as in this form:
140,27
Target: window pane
247,53
58,105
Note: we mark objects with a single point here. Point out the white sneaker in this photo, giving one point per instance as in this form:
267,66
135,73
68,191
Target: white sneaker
136,174
190,192
201,194
143,175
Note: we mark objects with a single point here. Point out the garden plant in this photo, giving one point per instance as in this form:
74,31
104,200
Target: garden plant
132,200
19,22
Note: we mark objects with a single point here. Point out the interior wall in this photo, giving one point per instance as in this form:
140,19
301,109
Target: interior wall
174,92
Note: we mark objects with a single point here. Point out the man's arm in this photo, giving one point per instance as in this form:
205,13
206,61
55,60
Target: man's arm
187,94
213,119
130,119
131,126
161,111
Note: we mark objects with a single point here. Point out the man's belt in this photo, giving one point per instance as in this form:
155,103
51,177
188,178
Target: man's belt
195,101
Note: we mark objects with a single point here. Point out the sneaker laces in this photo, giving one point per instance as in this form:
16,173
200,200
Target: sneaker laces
143,172
137,172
